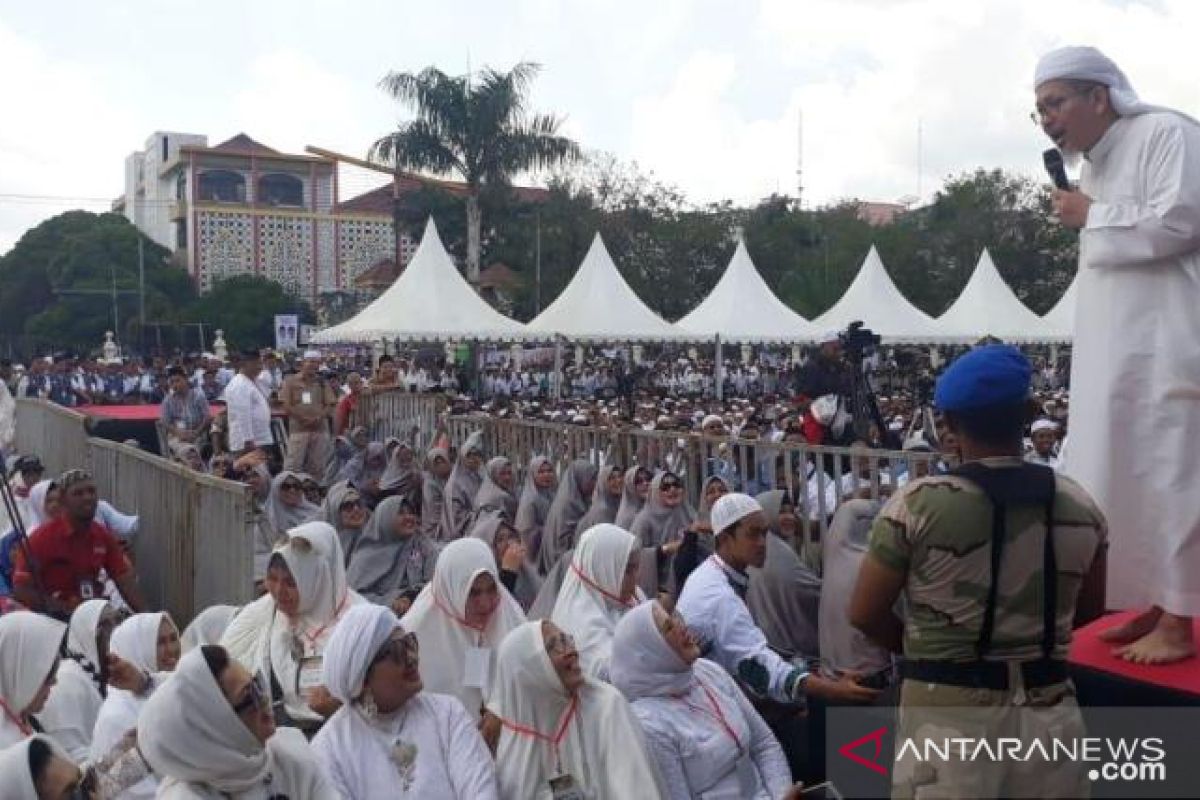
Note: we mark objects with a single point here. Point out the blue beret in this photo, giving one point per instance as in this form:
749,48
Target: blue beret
994,375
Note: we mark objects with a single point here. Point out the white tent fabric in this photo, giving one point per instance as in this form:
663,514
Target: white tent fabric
744,310
988,307
1059,322
431,301
599,306
874,299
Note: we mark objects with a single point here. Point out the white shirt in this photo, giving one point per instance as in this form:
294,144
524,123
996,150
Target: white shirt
727,632
249,414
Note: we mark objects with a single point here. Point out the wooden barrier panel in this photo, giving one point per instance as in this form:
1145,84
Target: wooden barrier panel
411,418
56,434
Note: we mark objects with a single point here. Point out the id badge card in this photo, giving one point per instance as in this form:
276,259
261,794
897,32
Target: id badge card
180,425
306,398
563,787
477,667
311,674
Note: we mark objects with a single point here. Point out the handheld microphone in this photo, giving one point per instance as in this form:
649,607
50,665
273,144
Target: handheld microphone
1053,160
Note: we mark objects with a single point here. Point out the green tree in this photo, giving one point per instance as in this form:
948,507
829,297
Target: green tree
478,130
244,307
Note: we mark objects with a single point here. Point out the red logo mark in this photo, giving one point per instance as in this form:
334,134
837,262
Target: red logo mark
876,736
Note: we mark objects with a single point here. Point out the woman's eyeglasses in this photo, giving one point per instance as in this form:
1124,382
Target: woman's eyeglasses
404,652
257,696
667,486
289,486
560,644
349,505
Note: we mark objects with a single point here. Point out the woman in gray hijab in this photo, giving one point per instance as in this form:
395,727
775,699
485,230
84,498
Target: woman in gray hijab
458,507
784,595
537,496
344,509
606,497
365,470
569,506
660,528
698,542
393,560
433,492
633,497
284,509
496,492
401,478
339,456
517,575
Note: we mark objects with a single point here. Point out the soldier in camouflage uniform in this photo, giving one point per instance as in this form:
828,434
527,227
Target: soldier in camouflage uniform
986,633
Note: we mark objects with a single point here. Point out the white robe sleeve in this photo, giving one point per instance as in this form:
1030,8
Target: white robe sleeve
1167,223
472,770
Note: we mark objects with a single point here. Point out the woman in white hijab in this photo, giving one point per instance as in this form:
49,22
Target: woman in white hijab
458,506
208,627
496,491
600,586
390,738
285,508
70,712
569,506
149,642
561,731
517,575
707,740
606,497
36,768
537,495
283,633
633,497
393,560
208,732
29,653
461,617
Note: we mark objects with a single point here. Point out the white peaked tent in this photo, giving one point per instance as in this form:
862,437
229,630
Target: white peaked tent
1059,322
874,299
744,310
599,306
988,307
431,301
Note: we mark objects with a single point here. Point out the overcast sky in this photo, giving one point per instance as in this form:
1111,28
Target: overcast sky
704,94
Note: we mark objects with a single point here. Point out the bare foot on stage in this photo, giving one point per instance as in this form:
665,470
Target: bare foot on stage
1170,641
1134,629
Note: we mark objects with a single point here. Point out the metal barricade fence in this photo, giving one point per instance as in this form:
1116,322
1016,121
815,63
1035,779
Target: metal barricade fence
56,434
818,477
411,418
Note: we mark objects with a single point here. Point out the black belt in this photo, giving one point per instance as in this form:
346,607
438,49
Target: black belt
985,674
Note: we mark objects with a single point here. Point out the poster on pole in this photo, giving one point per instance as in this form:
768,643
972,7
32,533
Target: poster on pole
286,330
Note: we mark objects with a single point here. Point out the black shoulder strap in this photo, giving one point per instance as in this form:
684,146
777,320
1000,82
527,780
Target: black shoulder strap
1027,484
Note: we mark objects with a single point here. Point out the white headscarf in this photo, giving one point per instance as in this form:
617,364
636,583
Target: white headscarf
69,716
29,648
17,783
314,557
602,746
81,633
587,605
36,507
1089,64
353,646
643,664
438,618
208,627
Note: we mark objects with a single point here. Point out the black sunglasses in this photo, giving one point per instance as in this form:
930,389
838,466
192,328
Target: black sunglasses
257,696
670,484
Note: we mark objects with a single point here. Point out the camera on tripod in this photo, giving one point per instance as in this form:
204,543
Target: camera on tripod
857,340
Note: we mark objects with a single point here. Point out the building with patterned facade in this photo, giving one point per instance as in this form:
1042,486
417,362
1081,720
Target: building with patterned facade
243,208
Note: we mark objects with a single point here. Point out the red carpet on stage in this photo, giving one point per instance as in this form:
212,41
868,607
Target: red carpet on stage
1088,652
148,412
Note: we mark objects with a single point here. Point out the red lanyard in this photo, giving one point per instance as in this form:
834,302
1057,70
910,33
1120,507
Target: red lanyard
24,726
449,612
717,715
592,584
312,638
554,740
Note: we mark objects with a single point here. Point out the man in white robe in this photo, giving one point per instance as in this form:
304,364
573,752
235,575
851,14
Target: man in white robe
1136,361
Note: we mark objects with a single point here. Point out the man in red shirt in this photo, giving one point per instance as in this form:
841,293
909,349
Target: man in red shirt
66,555
346,406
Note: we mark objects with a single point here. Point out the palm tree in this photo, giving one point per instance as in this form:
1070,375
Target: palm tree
476,130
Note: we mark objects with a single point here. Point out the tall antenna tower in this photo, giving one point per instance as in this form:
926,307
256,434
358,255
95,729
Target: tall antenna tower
800,159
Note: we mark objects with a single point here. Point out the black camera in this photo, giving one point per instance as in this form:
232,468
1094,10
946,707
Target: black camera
857,340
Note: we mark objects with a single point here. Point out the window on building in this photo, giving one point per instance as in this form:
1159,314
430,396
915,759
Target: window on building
181,235
181,186
276,189
221,186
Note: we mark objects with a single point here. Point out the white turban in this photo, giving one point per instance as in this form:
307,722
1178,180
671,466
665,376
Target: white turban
353,646
1043,425
1089,64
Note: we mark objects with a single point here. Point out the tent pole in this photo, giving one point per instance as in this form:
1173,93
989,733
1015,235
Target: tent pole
558,368
719,370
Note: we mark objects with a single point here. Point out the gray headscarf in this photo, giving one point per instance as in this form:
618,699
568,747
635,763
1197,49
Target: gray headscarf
458,507
433,496
631,502
282,517
399,478
705,512
367,465
385,566
844,647
604,505
529,582
785,595
491,495
656,524
339,493
343,450
569,506
532,511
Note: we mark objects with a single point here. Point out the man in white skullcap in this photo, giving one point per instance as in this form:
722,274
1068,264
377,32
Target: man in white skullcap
1135,373
309,401
1043,434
